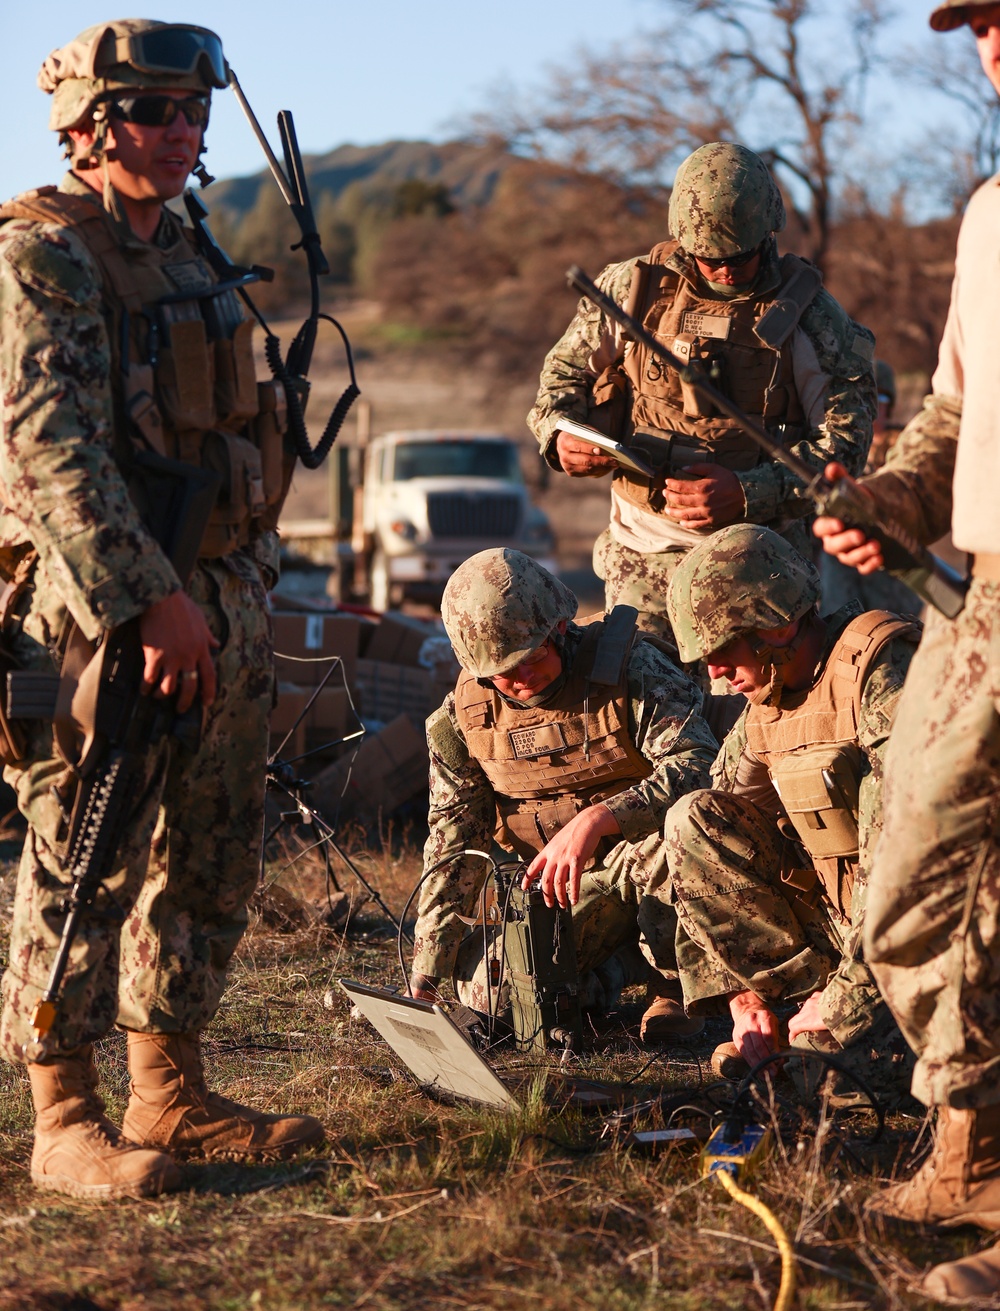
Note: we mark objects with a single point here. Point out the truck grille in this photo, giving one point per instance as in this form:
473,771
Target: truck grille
454,514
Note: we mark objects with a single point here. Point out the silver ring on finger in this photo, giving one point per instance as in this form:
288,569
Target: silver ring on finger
189,673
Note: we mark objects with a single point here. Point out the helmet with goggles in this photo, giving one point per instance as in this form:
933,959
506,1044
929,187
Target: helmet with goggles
498,607
129,54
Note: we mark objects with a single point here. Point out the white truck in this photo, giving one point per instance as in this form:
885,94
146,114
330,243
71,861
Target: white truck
426,500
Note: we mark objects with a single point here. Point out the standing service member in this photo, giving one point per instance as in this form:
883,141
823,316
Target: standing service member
114,344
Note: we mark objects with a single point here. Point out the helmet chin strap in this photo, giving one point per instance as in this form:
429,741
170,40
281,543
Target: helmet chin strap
777,659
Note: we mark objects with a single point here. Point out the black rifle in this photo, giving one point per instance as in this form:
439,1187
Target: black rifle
940,585
177,500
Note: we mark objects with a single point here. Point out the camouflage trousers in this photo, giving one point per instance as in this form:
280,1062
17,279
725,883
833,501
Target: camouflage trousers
741,928
643,580
188,864
933,925
623,910
639,579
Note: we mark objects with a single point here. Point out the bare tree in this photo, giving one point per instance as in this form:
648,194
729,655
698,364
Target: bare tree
780,75
964,158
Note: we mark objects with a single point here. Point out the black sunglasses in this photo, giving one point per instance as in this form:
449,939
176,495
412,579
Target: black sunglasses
159,111
731,261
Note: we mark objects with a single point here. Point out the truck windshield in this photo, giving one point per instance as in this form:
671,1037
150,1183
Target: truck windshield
456,459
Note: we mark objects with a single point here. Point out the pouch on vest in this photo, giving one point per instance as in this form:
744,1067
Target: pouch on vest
610,402
819,791
185,376
235,376
237,462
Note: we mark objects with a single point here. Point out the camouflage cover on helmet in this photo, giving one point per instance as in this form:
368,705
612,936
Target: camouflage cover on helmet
724,201
499,606
953,13
742,579
81,73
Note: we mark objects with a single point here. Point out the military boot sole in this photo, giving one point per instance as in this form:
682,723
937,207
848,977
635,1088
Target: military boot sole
168,1180
985,1218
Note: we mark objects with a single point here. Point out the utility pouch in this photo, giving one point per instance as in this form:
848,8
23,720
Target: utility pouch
237,462
610,406
268,429
819,790
141,409
185,376
236,376
528,830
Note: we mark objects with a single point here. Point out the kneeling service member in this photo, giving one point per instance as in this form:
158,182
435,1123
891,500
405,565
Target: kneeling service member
769,866
766,332
112,337
570,743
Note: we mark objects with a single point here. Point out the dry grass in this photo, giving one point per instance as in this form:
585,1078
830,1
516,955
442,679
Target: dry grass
416,1204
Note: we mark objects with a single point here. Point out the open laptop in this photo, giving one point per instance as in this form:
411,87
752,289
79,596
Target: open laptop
431,1044
442,1059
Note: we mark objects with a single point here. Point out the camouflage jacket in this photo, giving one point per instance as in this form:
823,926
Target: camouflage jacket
914,485
850,996
666,725
845,379
62,491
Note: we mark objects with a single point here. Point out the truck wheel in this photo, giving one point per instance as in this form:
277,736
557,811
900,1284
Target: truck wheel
380,588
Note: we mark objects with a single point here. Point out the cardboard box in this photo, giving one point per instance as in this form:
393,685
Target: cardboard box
329,718
305,641
398,639
386,690
291,703
387,769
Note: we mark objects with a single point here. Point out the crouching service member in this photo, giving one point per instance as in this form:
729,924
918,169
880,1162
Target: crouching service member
769,866
933,931
111,341
767,333
570,743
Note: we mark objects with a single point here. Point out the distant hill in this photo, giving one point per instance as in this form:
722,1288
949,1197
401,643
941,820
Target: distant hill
471,174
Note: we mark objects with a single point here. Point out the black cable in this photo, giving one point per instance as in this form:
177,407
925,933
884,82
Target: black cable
737,1117
409,902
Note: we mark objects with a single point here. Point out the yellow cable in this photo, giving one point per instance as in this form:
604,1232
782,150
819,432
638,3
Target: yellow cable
786,1288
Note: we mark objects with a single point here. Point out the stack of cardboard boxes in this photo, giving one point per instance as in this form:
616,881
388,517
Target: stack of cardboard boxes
383,675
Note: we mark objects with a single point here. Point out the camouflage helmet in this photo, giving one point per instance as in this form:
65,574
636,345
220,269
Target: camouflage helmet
742,579
499,606
125,54
724,201
953,13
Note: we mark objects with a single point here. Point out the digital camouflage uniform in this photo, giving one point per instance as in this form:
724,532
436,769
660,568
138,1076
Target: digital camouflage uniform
189,863
932,934
753,914
825,368
665,725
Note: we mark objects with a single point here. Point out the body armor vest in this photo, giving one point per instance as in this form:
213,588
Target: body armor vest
742,345
810,748
183,377
547,763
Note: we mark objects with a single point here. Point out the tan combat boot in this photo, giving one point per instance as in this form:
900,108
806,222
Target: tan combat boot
171,1108
959,1183
971,1276
664,1017
77,1150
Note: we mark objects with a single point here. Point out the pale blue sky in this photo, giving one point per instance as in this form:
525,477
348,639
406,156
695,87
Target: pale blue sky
361,72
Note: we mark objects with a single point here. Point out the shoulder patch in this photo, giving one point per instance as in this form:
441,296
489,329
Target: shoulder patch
51,261
863,346
444,739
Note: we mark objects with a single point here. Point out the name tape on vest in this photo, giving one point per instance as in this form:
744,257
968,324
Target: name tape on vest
540,741
706,325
